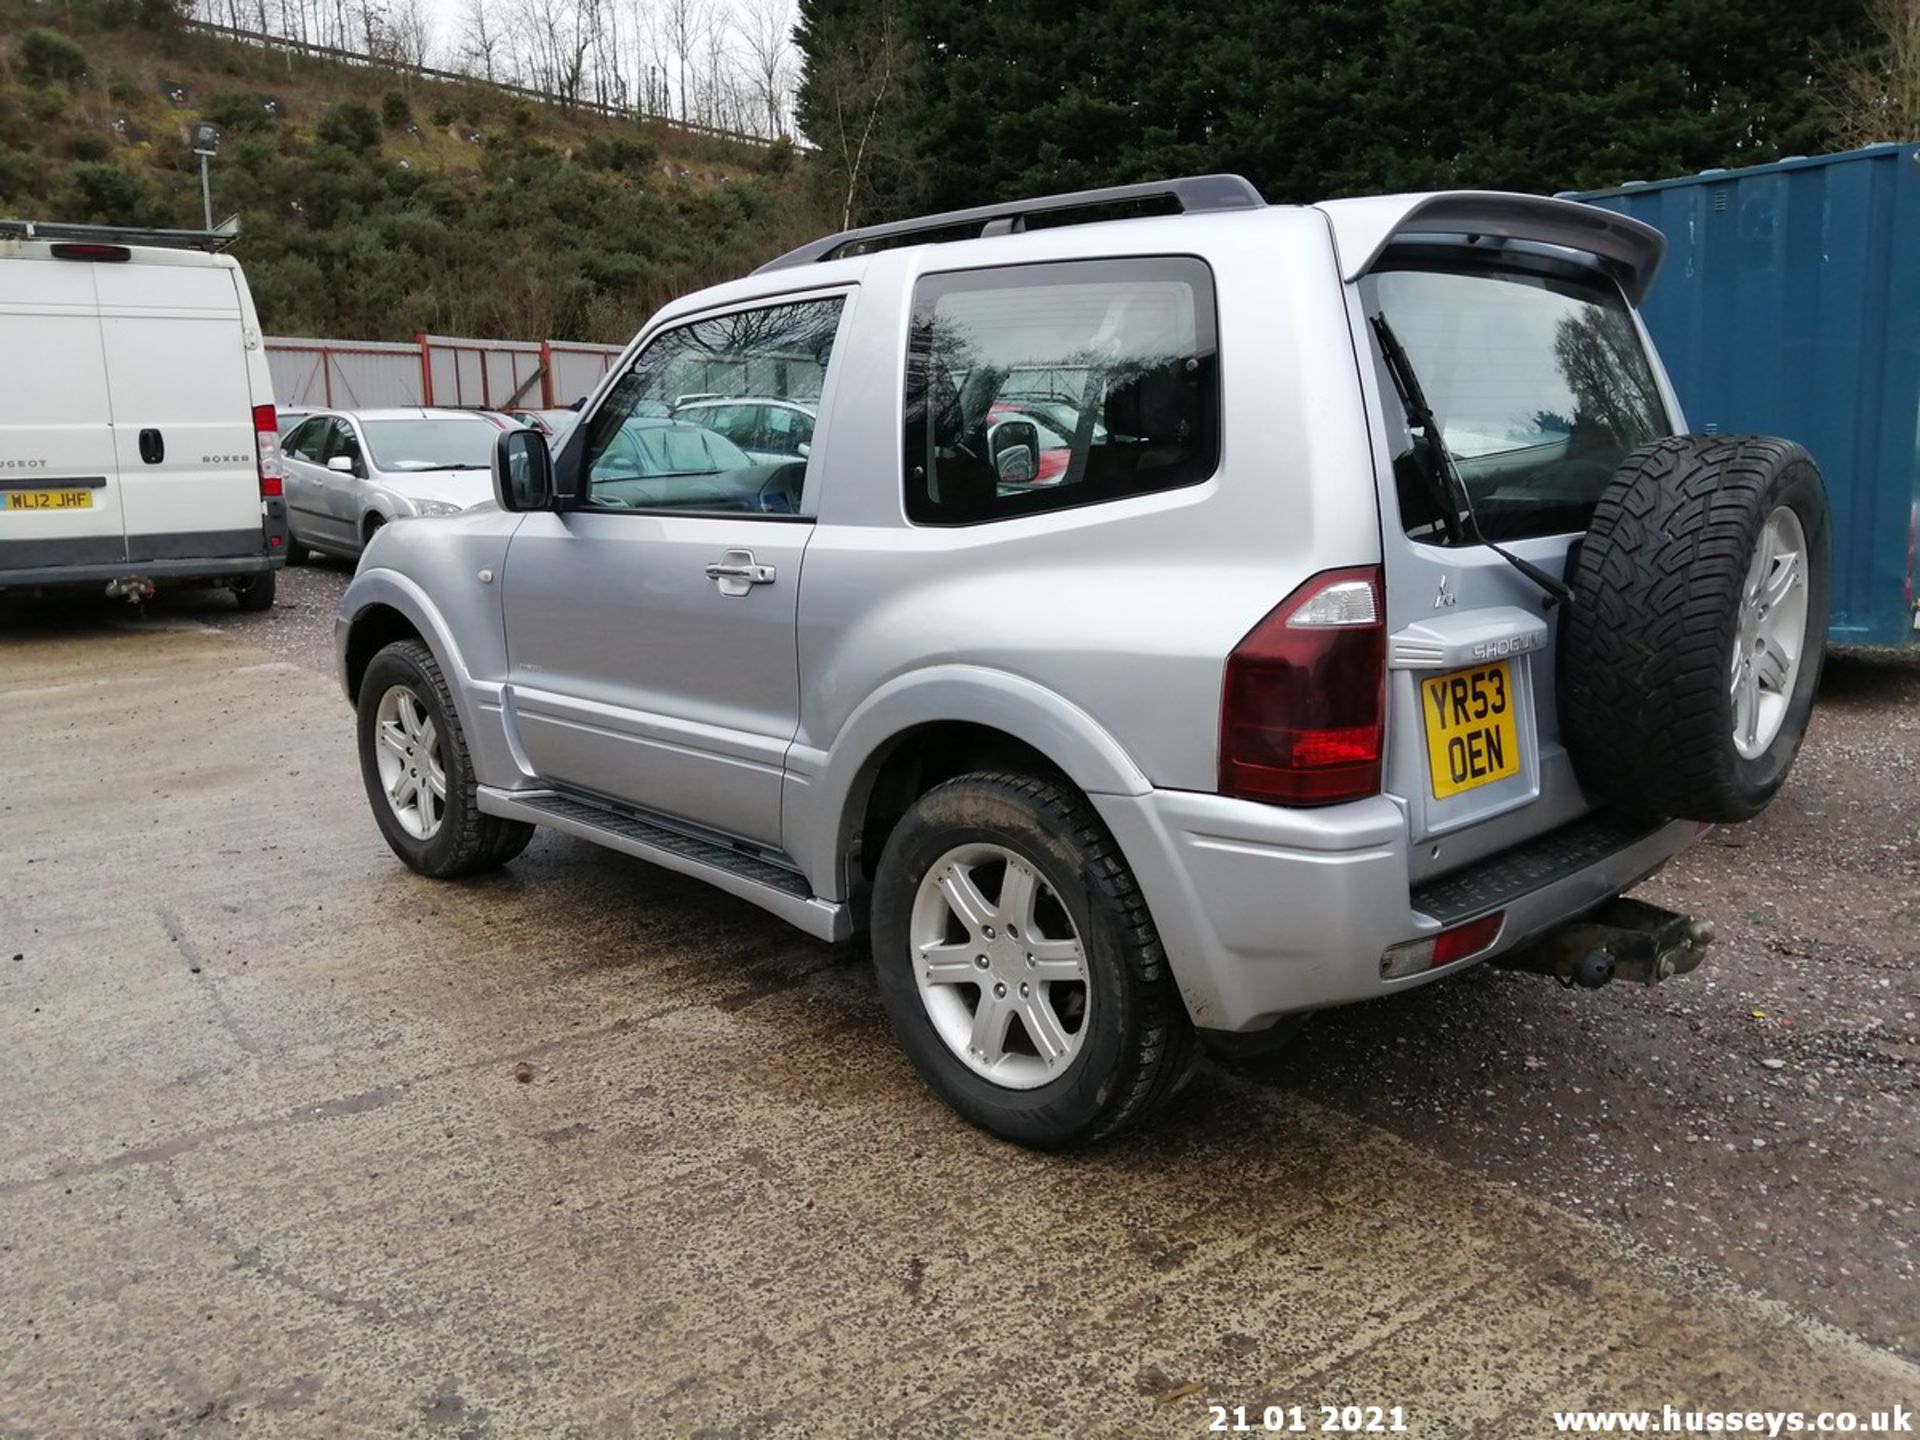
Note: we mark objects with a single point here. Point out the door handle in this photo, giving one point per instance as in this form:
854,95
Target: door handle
737,572
153,447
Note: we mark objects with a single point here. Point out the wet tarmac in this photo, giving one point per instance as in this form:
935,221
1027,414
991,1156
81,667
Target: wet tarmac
266,1165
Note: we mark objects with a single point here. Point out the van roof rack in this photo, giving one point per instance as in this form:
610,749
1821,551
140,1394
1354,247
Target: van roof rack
1192,194
211,241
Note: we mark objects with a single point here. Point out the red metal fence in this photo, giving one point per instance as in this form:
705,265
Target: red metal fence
435,370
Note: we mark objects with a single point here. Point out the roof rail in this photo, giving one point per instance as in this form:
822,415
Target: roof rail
1192,194
211,241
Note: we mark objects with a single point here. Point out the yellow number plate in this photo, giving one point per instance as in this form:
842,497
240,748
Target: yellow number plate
47,499
1471,736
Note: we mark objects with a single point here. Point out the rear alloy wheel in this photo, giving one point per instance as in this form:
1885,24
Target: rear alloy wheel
1019,966
1004,980
1691,652
418,776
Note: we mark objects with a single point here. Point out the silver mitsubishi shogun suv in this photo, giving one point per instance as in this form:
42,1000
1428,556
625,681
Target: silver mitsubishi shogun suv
1147,615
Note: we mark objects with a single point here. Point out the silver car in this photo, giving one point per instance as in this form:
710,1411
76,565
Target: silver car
350,472
769,428
1377,618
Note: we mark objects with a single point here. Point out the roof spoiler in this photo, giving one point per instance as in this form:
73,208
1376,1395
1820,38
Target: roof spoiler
1363,228
211,241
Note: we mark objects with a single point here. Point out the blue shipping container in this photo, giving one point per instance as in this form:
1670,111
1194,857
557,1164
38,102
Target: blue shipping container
1789,304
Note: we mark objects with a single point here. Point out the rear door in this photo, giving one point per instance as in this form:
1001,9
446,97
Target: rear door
59,481
176,349
307,479
1537,373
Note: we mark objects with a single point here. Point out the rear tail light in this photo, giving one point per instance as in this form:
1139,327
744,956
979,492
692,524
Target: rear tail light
266,447
1460,942
1303,711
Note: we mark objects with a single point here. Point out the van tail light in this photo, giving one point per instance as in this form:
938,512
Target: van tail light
266,449
109,254
1303,711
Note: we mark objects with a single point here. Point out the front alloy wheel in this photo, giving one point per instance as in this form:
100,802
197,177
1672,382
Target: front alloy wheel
418,774
411,770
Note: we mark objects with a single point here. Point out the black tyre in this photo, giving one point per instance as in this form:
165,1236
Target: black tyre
297,553
419,779
1019,966
1692,650
255,592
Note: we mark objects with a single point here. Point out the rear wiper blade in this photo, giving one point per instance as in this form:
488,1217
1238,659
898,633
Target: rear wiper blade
1455,500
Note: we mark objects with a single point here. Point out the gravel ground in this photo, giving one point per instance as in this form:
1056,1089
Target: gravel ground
1757,1116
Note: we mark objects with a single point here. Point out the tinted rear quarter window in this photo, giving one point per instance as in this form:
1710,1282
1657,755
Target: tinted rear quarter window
1039,387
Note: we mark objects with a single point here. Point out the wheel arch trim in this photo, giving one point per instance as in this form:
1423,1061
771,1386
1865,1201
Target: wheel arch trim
827,790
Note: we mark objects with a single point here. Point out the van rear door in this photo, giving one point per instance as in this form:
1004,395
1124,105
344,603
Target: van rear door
176,344
59,481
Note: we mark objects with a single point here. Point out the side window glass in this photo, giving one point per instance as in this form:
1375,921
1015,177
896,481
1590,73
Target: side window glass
736,422
304,442
787,430
1038,387
344,442
639,458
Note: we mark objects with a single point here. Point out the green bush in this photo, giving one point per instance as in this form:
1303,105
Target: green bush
444,115
103,194
352,126
88,145
396,110
47,55
237,110
623,154
47,106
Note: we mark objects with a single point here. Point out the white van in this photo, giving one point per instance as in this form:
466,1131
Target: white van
137,437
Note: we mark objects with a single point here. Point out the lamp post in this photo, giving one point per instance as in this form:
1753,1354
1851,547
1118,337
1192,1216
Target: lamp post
204,137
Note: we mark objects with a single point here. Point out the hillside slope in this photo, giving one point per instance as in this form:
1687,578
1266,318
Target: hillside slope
376,208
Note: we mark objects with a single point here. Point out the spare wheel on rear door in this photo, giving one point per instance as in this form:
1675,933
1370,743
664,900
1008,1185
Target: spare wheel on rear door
1693,645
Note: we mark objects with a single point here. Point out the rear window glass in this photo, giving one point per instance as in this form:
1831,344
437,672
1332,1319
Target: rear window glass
1539,384
431,444
1039,387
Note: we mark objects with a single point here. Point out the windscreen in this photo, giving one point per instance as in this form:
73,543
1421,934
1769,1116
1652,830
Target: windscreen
1539,383
440,444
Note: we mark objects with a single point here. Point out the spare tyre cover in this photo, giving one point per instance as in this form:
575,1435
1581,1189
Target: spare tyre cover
1692,649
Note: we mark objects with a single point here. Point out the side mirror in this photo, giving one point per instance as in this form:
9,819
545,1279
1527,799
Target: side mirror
522,471
340,465
805,449
1015,447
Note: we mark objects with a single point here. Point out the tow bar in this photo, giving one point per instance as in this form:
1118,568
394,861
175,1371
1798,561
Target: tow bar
1622,940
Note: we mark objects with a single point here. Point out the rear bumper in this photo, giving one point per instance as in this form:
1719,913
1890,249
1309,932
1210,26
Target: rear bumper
101,573
1266,912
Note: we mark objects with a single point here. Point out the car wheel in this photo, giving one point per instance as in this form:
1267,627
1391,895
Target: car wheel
1019,966
369,528
419,778
297,553
1693,646
255,592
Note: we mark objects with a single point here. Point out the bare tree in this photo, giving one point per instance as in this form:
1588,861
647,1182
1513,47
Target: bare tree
858,90
482,42
686,23
765,28
1874,94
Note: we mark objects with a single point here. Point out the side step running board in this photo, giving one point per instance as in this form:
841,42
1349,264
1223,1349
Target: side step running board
772,887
